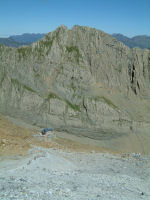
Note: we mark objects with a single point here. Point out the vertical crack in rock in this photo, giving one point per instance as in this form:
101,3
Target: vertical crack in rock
84,106
132,75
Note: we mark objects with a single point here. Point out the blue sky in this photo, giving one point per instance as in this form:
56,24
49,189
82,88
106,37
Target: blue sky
129,17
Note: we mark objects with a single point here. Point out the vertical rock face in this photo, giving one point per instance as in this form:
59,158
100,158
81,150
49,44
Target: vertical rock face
80,80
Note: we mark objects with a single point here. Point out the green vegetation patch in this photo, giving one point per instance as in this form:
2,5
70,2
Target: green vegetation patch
123,121
19,85
24,52
29,89
119,69
43,47
73,106
55,96
3,75
109,102
106,100
15,82
75,50
1,48
45,43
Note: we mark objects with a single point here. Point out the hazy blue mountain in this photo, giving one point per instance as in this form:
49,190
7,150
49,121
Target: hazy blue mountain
27,37
127,41
142,41
9,42
20,40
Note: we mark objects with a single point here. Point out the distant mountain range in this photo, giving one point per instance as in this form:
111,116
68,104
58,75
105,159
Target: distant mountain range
141,41
27,37
20,40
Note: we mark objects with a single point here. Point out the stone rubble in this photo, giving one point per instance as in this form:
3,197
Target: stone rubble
72,176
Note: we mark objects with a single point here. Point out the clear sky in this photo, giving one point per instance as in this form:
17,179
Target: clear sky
129,17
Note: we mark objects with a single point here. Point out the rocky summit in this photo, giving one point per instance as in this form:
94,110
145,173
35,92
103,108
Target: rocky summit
82,81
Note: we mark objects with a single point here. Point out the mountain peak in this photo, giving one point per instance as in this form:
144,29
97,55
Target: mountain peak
81,81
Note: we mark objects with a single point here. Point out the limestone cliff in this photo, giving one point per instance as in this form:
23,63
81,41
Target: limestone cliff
81,80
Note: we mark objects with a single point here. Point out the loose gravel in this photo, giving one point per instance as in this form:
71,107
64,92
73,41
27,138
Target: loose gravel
56,175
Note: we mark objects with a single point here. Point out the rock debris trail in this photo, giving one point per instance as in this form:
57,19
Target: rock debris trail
56,174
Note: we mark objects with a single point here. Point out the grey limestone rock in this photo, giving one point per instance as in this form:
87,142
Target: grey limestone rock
81,80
